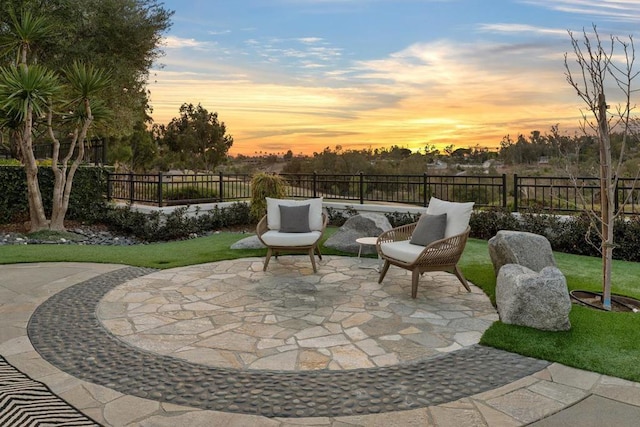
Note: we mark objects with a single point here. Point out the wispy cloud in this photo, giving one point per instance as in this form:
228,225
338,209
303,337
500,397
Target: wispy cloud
614,10
502,28
173,42
219,33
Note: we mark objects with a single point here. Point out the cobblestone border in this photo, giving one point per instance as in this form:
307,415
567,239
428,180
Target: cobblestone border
65,330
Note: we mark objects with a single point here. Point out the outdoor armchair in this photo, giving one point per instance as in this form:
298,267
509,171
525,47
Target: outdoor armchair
434,243
292,226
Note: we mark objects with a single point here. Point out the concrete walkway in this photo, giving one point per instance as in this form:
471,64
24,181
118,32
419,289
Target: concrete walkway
556,395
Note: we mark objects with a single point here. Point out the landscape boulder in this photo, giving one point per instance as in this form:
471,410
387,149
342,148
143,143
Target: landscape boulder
535,299
518,247
361,225
251,242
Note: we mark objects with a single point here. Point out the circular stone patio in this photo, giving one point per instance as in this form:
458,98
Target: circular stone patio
232,314
226,336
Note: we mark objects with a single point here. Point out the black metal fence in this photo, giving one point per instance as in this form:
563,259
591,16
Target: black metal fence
550,194
95,151
565,195
164,189
178,189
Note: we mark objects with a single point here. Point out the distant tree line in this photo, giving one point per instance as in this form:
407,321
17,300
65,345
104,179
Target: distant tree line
553,148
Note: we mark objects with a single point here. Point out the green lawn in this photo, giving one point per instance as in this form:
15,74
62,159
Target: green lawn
603,342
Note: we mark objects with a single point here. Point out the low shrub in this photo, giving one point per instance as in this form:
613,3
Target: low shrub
396,219
336,217
486,223
178,224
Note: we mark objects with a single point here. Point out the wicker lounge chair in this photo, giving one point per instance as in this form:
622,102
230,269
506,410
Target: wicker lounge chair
443,230
292,226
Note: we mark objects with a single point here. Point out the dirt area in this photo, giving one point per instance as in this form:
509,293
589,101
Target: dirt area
618,303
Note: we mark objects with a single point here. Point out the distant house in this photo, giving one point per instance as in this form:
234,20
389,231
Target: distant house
543,160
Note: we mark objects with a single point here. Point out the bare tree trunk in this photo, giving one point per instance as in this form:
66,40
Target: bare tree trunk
606,205
36,209
64,177
597,63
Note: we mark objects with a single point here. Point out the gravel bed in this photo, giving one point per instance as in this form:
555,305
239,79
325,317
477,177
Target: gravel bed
82,236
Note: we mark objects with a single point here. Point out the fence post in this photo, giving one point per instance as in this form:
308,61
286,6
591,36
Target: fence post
504,191
425,186
516,192
131,188
315,184
109,185
160,189
361,189
221,186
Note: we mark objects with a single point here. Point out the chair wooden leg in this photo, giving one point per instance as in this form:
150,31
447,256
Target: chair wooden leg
458,273
318,252
313,260
266,260
415,276
383,272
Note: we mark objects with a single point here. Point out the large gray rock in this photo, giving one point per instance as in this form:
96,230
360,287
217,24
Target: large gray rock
362,225
518,247
251,242
535,299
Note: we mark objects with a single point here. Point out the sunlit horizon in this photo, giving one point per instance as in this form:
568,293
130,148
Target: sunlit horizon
434,77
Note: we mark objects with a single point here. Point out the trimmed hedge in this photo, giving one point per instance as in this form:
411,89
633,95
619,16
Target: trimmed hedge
571,234
86,203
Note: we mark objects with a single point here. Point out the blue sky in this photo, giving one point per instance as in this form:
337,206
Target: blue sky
309,74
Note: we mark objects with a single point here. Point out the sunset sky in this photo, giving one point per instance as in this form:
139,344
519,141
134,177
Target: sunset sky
303,75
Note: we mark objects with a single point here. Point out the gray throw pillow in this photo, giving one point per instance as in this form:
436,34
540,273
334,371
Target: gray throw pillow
429,229
294,219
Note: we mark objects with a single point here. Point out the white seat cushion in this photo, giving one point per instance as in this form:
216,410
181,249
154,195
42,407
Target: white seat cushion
402,250
276,238
458,214
315,212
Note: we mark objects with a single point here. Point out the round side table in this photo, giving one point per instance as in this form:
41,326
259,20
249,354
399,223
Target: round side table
368,241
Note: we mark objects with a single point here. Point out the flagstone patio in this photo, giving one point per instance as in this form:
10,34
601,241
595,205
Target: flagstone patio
119,383
232,314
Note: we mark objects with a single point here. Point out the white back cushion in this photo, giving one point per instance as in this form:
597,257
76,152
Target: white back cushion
458,214
315,212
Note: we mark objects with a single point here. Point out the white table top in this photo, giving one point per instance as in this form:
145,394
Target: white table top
367,240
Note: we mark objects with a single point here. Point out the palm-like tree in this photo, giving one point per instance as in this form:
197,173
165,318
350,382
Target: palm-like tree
32,94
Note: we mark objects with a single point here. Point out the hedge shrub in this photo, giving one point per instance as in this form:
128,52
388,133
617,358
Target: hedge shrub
566,233
178,224
86,203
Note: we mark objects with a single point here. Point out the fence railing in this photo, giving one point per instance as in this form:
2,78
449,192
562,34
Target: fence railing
94,152
164,189
562,194
551,194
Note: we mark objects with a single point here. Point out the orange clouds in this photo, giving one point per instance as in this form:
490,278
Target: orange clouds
429,93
